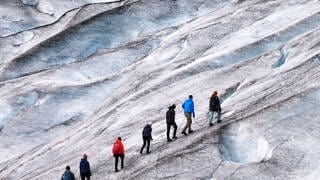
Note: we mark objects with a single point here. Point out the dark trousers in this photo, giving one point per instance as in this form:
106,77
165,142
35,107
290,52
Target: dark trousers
174,131
146,140
85,175
116,157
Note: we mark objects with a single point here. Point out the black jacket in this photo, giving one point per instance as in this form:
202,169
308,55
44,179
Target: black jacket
85,167
170,116
214,104
147,130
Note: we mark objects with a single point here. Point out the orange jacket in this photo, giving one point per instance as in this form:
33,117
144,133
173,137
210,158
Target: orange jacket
118,148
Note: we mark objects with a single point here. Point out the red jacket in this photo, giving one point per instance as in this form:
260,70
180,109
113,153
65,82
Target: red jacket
118,148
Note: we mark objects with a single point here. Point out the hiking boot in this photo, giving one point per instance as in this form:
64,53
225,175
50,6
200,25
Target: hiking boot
211,124
121,167
191,131
219,121
174,137
117,170
169,140
184,133
148,152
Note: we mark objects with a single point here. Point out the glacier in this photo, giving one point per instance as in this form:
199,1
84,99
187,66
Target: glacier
75,75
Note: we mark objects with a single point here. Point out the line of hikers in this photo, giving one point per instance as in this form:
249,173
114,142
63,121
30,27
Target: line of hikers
118,147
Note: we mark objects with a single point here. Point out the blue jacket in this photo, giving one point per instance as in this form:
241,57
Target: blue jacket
188,106
68,175
85,167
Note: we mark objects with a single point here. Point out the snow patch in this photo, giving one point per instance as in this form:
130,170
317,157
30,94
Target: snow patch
5,111
241,144
45,7
30,2
22,38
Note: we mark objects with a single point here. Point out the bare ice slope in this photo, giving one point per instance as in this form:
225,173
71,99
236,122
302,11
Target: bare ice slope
74,79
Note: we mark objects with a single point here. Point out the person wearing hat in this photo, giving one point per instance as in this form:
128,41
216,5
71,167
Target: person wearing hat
68,175
146,136
118,152
170,119
85,171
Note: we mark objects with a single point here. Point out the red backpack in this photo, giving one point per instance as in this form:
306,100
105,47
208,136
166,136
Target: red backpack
118,148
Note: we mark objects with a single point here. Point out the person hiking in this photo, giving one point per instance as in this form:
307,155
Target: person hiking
68,175
170,119
146,136
214,107
118,152
188,107
85,171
